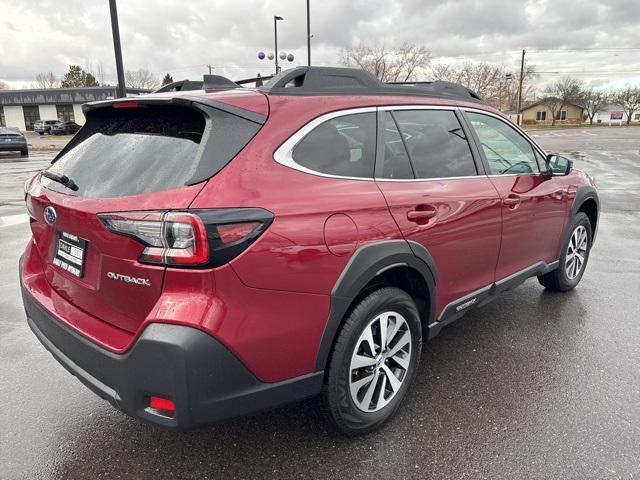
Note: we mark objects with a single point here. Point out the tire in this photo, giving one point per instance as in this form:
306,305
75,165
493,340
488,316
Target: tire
398,311
569,272
40,133
24,153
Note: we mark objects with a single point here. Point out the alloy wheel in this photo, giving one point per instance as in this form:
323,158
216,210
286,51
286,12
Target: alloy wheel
380,361
576,252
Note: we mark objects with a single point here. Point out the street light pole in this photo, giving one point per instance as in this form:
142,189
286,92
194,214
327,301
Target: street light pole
308,35
520,88
121,90
275,33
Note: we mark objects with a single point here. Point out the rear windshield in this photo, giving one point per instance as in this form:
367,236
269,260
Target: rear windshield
122,152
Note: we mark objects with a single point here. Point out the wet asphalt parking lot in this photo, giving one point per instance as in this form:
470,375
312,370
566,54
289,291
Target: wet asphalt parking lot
535,385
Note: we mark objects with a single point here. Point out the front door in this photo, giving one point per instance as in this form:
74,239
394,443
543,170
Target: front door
440,199
533,205
31,116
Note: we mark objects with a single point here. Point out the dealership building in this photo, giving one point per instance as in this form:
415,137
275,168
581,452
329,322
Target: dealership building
22,108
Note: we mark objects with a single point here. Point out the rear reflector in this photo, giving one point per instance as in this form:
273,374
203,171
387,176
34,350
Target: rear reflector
162,404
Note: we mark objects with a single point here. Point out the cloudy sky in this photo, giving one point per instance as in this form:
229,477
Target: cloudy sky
596,40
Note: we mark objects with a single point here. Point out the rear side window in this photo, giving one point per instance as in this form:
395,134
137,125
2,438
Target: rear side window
153,148
343,146
436,142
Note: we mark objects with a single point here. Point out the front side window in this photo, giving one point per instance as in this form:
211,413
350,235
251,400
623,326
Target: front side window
343,146
507,151
436,142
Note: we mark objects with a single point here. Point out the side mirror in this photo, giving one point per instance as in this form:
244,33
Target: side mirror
558,166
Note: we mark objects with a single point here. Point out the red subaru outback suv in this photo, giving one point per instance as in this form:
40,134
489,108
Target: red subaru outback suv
202,254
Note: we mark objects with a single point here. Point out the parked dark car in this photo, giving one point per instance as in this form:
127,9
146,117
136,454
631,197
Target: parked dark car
64,128
11,139
44,126
205,254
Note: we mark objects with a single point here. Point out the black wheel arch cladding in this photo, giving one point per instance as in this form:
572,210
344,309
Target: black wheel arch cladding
365,265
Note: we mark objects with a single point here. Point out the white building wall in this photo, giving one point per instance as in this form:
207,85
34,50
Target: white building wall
14,117
77,114
48,112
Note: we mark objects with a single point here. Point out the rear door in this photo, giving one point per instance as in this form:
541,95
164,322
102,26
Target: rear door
440,198
130,157
533,206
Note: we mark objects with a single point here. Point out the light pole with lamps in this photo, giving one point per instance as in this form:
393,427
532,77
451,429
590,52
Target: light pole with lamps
275,32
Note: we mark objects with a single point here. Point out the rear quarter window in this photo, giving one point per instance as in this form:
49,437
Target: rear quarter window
343,146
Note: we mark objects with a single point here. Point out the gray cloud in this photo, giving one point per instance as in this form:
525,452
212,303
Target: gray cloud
181,37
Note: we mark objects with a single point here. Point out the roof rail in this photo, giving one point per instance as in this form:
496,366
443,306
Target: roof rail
354,81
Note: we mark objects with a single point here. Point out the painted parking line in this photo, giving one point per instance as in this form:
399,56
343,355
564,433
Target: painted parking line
9,220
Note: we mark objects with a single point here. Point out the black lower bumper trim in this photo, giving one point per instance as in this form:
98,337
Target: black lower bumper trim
204,379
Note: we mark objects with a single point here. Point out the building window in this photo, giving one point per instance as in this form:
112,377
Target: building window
65,113
562,115
31,115
2,122
541,116
636,117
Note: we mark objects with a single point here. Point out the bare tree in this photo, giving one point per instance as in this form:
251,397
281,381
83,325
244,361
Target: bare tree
47,80
398,64
141,78
560,94
594,101
491,82
629,99
97,70
3,85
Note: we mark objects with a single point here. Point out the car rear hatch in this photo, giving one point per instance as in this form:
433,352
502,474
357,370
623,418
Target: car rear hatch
133,159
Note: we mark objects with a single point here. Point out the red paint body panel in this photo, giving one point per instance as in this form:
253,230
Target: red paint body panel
464,235
531,230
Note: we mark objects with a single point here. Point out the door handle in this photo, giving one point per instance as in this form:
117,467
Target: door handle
421,214
512,201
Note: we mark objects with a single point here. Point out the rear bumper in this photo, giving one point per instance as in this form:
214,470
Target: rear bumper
13,147
204,379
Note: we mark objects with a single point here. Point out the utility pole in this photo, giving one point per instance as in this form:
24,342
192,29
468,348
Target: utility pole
121,91
308,35
520,88
275,33
210,68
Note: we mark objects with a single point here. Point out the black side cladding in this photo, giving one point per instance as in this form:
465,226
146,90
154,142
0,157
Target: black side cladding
366,264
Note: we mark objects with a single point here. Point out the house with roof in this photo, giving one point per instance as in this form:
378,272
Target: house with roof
540,113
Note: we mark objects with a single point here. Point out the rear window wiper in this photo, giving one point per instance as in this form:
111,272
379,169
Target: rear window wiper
62,179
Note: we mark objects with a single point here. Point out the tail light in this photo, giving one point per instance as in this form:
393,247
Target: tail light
207,238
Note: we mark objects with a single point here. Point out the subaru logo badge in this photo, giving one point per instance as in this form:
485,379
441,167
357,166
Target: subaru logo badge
50,215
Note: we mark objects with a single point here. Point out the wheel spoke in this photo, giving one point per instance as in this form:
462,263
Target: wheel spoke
394,383
358,384
380,401
402,361
366,401
401,343
384,322
360,361
392,333
368,337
